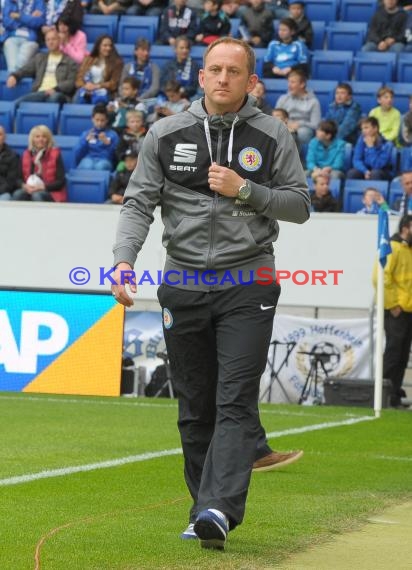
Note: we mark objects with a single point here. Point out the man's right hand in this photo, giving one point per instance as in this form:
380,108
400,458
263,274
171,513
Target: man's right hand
122,276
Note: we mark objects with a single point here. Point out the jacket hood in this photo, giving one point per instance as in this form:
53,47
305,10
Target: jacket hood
248,110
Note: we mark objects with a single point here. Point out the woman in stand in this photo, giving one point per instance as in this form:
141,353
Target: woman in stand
98,76
73,41
42,169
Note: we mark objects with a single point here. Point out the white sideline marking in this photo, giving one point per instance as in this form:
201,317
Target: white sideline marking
316,427
151,404
389,458
155,454
88,467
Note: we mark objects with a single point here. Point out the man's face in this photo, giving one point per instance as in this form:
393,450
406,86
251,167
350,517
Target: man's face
2,136
321,186
296,86
390,4
369,198
295,11
128,91
368,130
52,41
99,121
342,96
407,183
182,50
386,101
142,54
225,78
285,33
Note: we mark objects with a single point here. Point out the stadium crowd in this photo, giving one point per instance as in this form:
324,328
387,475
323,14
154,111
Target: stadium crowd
341,142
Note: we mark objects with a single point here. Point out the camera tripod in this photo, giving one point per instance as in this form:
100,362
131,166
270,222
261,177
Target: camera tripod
317,365
168,382
274,373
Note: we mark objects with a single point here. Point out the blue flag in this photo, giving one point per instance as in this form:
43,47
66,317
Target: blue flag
384,245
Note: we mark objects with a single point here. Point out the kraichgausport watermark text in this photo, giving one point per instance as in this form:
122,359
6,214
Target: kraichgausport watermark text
262,276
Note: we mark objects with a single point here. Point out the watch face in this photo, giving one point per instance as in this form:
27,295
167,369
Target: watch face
244,192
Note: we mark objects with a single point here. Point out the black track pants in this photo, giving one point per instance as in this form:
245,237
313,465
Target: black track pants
398,332
217,344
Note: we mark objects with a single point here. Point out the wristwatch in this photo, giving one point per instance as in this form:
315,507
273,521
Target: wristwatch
244,191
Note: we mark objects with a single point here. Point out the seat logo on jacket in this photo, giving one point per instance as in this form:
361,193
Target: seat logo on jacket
186,153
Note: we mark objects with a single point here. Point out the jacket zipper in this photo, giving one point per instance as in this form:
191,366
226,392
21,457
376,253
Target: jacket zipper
213,214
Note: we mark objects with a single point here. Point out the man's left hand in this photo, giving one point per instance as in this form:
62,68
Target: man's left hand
224,180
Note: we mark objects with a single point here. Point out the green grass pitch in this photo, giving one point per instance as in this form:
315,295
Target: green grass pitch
129,517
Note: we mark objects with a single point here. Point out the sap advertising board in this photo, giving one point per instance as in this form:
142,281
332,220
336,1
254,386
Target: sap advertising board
61,343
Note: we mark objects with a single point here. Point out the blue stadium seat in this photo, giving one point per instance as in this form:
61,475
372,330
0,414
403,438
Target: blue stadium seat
353,193
29,114
324,91
126,52
87,186
197,54
346,35
395,191
318,34
348,156
402,93
334,186
17,142
7,115
274,89
161,54
22,88
404,68
332,65
357,10
321,10
364,93
234,27
95,25
66,144
405,159
132,27
259,54
375,66
74,119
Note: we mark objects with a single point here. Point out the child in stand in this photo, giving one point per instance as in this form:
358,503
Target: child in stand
121,180
121,105
389,118
321,197
214,23
174,102
96,147
132,136
372,201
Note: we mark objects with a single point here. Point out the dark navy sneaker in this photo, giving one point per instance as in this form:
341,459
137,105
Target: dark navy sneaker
211,527
189,532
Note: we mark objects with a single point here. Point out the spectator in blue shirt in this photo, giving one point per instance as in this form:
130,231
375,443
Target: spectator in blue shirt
287,53
97,146
345,112
326,152
22,21
372,156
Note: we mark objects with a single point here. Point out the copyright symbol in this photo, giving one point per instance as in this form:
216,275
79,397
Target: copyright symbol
79,276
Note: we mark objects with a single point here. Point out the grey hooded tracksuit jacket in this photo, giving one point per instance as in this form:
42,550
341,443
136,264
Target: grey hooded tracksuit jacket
217,336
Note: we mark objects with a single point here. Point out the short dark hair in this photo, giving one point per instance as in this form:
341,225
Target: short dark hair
346,87
142,43
298,73
373,121
328,127
282,111
405,222
132,81
291,24
100,109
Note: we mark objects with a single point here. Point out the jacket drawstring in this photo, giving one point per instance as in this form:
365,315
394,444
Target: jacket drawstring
209,139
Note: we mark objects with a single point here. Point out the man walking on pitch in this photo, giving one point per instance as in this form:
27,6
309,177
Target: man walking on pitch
223,173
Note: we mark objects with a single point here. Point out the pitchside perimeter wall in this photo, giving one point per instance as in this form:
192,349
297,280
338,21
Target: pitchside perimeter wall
41,243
